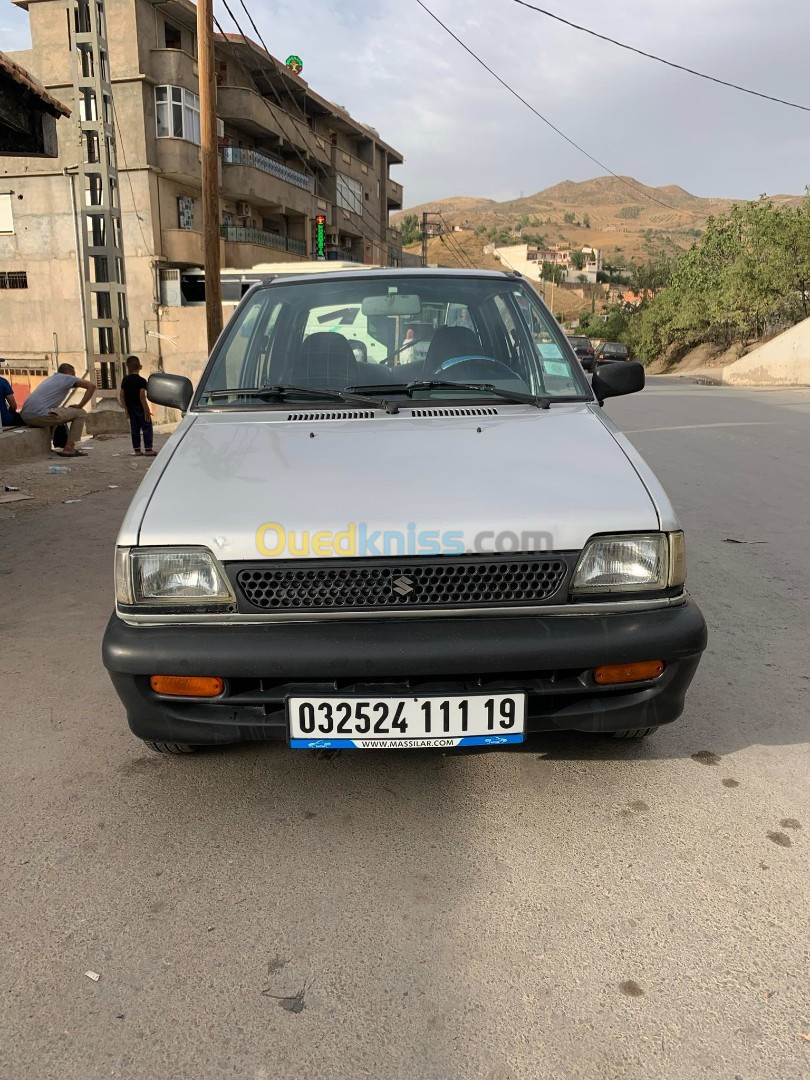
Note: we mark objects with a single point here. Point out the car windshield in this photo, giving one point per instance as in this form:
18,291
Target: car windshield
581,342
614,349
378,333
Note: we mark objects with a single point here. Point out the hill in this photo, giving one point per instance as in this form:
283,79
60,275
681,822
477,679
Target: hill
628,220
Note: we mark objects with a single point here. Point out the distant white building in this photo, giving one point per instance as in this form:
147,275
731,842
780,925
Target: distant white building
529,261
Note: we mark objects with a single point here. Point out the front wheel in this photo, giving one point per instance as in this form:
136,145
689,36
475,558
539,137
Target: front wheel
632,733
170,747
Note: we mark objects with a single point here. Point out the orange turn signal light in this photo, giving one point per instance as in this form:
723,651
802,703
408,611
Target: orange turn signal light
611,674
187,685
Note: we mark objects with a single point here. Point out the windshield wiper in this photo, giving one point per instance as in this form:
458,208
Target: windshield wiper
442,384
281,392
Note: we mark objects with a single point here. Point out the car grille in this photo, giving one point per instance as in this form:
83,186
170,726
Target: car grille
419,583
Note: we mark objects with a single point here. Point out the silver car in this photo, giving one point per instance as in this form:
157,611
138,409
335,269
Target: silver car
385,548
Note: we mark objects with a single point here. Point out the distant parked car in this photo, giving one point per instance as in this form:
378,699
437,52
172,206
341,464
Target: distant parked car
584,349
612,350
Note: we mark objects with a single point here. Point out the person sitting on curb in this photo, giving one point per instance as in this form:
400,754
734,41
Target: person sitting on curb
9,417
132,396
43,407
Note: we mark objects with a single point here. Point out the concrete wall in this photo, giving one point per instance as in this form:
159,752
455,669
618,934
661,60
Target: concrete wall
783,361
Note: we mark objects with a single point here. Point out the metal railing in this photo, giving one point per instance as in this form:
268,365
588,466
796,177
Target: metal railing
239,234
240,155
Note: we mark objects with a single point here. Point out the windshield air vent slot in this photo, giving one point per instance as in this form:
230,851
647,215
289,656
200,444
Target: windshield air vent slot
480,411
309,417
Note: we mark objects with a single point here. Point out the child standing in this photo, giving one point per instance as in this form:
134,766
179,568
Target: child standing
133,398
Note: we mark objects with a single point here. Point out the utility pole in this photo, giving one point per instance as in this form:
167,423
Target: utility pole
438,229
210,169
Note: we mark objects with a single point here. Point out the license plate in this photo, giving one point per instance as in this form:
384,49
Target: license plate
406,723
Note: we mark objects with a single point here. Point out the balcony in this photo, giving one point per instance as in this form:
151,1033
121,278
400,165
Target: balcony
394,195
249,111
173,67
257,178
184,247
250,246
179,160
255,159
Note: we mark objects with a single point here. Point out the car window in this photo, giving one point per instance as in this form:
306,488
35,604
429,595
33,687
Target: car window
331,332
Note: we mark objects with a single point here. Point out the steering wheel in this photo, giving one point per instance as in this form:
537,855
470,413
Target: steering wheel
476,366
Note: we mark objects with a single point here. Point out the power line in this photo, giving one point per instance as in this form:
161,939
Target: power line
455,247
539,115
661,60
302,126
266,103
147,245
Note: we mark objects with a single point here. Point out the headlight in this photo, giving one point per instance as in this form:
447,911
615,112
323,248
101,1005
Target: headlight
170,577
642,563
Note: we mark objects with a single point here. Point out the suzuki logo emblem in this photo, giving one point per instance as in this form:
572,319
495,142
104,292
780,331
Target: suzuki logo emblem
403,586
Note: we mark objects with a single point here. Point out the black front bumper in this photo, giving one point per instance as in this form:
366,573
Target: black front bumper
550,657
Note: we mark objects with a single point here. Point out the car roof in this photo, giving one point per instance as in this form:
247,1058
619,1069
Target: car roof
395,272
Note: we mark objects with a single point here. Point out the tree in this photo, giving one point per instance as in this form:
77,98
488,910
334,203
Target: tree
750,271
409,227
578,260
569,218
582,278
629,212
550,271
586,221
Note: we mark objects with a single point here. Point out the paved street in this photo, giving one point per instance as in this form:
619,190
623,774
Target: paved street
576,909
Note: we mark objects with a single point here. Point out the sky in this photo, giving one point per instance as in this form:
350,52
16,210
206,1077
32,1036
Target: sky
461,133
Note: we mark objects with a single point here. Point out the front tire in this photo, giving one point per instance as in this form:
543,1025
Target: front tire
170,747
632,733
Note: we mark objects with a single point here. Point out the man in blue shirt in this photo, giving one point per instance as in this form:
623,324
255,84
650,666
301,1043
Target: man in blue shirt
9,417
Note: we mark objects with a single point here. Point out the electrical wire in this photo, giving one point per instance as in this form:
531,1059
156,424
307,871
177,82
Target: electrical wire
375,225
627,183
378,236
277,121
147,245
461,255
661,60
456,247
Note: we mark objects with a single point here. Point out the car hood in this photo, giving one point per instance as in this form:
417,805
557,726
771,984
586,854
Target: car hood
550,478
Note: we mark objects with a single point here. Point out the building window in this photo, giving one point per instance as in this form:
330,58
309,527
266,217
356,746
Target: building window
177,113
14,279
6,215
349,194
185,211
172,37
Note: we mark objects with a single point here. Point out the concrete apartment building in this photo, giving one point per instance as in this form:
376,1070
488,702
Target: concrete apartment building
287,157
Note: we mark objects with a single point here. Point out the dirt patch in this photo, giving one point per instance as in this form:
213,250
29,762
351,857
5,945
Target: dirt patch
679,362
109,465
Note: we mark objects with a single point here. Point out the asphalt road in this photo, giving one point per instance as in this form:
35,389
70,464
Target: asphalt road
580,909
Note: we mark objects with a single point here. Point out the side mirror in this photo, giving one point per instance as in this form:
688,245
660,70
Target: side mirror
614,380
173,391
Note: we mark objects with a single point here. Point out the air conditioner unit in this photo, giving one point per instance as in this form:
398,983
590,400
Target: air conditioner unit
333,238
243,209
170,294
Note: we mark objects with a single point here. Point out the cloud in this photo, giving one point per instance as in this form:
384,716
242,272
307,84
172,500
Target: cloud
462,133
